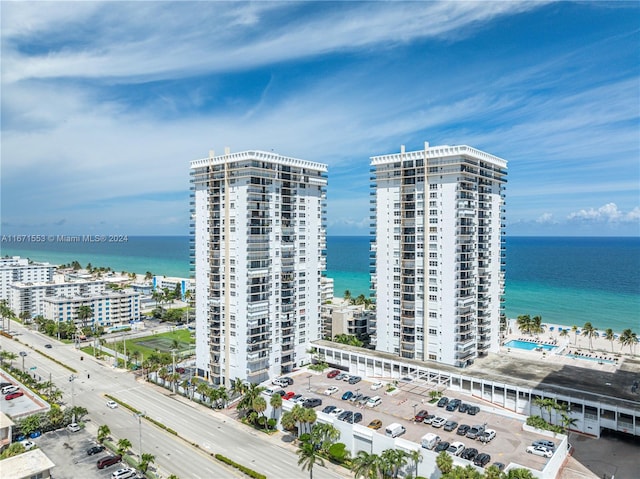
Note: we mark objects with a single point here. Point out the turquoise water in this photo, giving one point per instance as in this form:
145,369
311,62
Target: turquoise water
516,343
567,281
587,358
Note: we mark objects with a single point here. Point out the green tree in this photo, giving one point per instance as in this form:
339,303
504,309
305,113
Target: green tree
392,461
590,332
609,336
323,436
103,433
564,333
307,457
30,424
146,460
525,323
123,445
287,421
276,403
84,312
628,338
520,473
259,405
415,456
55,416
365,465
444,461
13,450
574,330
492,472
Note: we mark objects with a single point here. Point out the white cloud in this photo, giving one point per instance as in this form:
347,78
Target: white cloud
606,213
545,218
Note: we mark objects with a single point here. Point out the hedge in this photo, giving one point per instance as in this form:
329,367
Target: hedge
240,467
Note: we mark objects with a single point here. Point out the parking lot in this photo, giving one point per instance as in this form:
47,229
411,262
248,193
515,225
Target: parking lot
509,444
68,451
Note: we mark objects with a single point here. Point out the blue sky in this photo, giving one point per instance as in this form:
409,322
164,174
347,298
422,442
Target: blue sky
105,104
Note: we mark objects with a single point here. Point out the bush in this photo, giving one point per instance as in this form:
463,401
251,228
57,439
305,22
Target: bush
338,452
240,467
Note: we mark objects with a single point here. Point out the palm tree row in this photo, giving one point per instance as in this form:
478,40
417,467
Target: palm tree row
444,462
360,299
387,465
299,419
529,325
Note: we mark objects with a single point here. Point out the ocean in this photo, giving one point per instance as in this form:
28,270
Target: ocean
566,280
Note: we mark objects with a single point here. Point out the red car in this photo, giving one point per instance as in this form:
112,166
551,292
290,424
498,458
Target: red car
288,395
333,374
14,395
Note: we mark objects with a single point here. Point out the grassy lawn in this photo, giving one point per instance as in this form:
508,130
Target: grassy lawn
154,343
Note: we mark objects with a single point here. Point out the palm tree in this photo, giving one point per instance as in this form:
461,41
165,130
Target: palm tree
628,338
308,418
520,473
564,333
146,460
590,332
203,389
148,276
276,403
365,465
297,414
415,456
324,435
238,387
307,457
223,395
444,462
103,433
536,325
347,295
135,355
609,336
524,323
123,445
492,472
574,330
84,312
287,421
392,461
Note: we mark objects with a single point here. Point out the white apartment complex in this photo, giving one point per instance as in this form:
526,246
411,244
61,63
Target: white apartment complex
259,252
29,297
16,269
437,216
110,308
170,282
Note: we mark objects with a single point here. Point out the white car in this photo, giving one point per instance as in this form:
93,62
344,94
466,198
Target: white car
540,451
28,444
336,412
487,436
73,427
456,448
438,421
300,400
333,389
377,385
112,404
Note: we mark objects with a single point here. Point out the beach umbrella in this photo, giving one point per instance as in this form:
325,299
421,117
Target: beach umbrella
551,328
559,329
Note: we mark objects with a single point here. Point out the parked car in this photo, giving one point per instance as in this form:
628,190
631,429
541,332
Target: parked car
453,404
428,418
487,435
28,444
450,425
347,395
73,427
364,400
112,404
35,434
469,453
499,465
330,390
377,385
456,448
124,473
355,379
333,373
181,370
328,409
346,377
288,380
296,398
540,451
289,395
482,459
438,422
312,402
340,376
462,430
357,417
473,410
4,385
108,461
545,443
14,395
475,431
375,424
464,407
443,401
421,415
355,397
48,346
345,415
280,392
336,412
95,450
442,446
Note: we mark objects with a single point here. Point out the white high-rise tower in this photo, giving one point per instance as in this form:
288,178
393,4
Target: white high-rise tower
438,252
258,252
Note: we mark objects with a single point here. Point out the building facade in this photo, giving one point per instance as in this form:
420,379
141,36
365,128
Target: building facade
438,254
258,255
16,269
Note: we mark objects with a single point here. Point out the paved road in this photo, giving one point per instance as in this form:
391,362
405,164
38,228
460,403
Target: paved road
211,431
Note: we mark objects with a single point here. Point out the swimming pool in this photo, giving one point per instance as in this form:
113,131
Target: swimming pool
529,346
600,360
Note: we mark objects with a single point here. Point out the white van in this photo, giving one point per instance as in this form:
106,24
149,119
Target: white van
9,389
395,430
124,473
374,401
429,441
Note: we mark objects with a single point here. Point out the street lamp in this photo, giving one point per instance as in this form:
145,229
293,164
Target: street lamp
309,378
73,402
24,355
173,371
414,410
140,415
